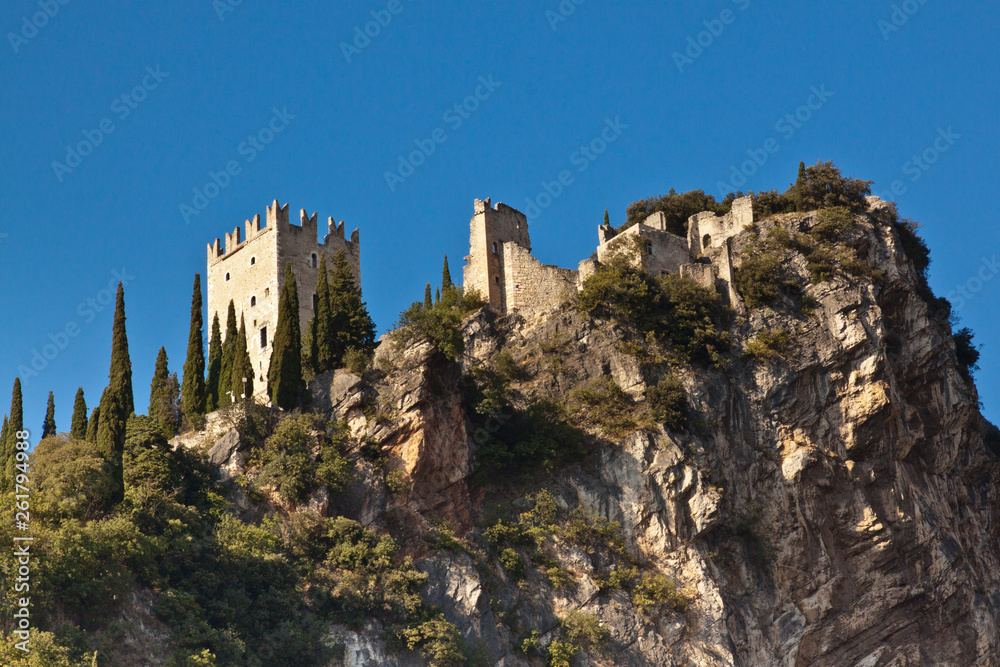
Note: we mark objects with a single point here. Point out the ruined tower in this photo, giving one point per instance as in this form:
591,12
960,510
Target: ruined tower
251,271
490,228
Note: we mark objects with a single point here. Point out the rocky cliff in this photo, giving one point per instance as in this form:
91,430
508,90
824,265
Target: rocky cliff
830,501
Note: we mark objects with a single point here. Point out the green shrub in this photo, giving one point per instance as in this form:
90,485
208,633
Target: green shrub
71,478
768,344
504,364
668,402
966,352
603,403
288,464
677,207
438,324
821,264
560,654
769,203
585,630
655,593
760,278
437,640
831,223
823,186
357,361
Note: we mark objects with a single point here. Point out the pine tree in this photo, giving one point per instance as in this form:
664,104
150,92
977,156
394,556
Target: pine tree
446,283
242,380
193,390
428,297
324,335
163,396
117,402
49,426
9,445
214,366
352,324
78,430
284,375
93,423
607,218
226,370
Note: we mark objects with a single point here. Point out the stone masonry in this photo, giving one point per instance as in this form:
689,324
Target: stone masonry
251,272
501,268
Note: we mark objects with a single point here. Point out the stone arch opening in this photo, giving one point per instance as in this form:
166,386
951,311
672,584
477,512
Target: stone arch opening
706,241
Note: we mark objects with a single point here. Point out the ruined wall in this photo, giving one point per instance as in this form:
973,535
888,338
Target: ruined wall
661,251
531,287
489,229
718,228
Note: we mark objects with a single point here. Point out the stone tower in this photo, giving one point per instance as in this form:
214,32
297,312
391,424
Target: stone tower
251,271
490,228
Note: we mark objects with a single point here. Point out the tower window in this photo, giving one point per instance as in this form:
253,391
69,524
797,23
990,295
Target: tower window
649,248
263,337
227,276
253,301
267,291
253,260
497,280
313,262
706,241
494,249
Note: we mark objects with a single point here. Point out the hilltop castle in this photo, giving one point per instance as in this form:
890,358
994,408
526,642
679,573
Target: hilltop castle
251,271
501,268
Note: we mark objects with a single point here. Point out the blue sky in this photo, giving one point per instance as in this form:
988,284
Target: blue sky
690,86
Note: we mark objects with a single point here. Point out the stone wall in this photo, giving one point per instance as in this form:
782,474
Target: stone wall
660,251
707,229
531,287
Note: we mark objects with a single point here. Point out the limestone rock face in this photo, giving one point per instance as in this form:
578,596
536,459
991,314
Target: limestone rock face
836,506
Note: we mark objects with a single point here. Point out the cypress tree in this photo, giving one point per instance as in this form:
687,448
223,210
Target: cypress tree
163,396
428,297
323,333
242,366
607,219
9,448
49,426
93,423
437,295
284,375
79,427
117,402
352,324
193,390
4,433
214,366
446,283
226,371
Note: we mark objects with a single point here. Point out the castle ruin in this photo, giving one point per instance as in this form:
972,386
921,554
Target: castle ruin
251,271
501,268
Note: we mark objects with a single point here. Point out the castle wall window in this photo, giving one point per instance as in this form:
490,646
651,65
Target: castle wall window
227,276
267,291
263,338
494,247
649,248
313,262
253,301
706,241
253,260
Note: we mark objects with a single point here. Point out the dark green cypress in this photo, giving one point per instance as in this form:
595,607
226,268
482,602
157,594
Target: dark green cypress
607,218
324,336
214,366
93,423
284,375
437,295
446,283
79,427
163,396
49,426
117,402
428,297
193,389
242,366
9,448
226,371
353,325
4,432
